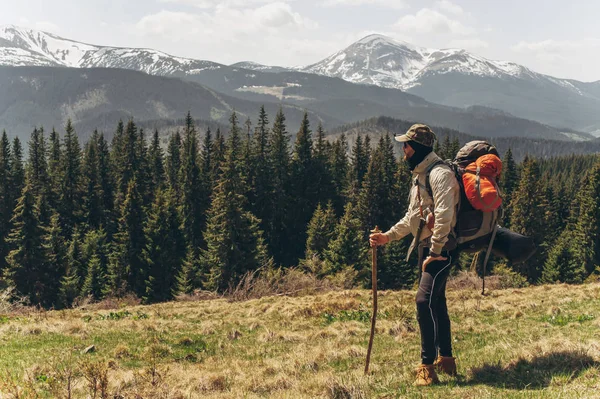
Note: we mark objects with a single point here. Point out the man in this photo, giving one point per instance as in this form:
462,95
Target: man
431,221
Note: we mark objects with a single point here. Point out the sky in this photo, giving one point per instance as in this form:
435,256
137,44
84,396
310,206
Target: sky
558,38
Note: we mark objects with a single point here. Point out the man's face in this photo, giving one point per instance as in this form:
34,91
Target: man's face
408,151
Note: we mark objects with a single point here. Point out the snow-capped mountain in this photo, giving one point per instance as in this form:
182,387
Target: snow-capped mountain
382,61
20,47
458,78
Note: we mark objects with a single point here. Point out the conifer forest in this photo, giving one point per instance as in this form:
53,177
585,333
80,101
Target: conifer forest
199,211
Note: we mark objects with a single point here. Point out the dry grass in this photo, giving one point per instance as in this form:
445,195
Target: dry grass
532,342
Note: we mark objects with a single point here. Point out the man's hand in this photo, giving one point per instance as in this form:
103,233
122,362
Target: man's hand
430,259
377,239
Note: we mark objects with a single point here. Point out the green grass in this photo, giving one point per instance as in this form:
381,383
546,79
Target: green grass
538,342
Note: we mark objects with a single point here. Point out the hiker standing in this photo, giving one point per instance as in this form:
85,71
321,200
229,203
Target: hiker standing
431,221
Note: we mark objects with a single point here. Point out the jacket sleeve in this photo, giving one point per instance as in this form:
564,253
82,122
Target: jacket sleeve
446,195
400,229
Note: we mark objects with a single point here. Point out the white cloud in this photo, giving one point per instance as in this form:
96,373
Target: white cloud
473,44
449,7
553,57
427,21
44,26
394,4
272,33
206,4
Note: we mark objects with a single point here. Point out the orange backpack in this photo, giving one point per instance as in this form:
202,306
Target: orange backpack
480,182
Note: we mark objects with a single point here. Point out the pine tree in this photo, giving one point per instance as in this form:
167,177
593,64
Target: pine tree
6,198
127,268
219,151
107,186
37,166
26,260
157,169
94,254
190,276
194,198
508,182
70,284
173,162
54,169
70,182
528,207
165,248
347,248
234,240
17,171
359,166
55,254
339,171
261,202
206,159
278,225
303,188
93,212
143,172
323,181
320,231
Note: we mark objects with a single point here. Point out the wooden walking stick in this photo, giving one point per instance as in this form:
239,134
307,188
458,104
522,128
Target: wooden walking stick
374,285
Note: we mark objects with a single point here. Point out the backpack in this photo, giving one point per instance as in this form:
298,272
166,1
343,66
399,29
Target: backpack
477,167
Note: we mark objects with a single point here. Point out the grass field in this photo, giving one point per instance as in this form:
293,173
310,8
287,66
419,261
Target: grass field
537,342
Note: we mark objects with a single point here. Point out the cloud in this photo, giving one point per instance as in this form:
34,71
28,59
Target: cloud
272,33
207,4
394,4
449,7
556,46
427,21
44,26
473,44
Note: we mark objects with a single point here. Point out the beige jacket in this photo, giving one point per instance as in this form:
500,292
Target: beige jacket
446,196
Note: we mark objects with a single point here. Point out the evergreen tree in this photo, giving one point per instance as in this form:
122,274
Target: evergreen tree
234,240
339,171
323,181
206,159
55,254
37,166
70,284
320,231
347,248
94,254
127,268
528,207
190,276
70,182
107,186
508,182
93,211
165,248
54,169
6,198
278,225
303,188
218,155
173,162
17,171
157,170
27,261
194,198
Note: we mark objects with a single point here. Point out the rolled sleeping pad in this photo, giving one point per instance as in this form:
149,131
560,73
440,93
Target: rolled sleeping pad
509,245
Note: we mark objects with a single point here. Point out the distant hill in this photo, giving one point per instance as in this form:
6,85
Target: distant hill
99,97
520,147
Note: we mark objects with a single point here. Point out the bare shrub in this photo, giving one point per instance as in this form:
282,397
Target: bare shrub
293,281
341,390
96,375
197,295
11,303
108,303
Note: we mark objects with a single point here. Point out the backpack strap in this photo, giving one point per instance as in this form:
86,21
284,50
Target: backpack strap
428,173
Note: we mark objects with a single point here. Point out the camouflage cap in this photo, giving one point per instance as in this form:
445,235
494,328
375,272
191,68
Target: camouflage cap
420,133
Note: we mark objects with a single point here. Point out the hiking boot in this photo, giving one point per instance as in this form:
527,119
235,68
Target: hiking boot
446,365
426,375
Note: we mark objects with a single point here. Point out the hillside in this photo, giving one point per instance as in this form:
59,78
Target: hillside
99,97
537,342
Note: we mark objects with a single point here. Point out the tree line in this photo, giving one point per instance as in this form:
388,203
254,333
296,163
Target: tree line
132,217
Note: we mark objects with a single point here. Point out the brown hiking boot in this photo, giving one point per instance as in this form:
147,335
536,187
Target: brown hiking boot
426,375
446,365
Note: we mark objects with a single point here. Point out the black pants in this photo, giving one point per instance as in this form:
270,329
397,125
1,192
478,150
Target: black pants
432,312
